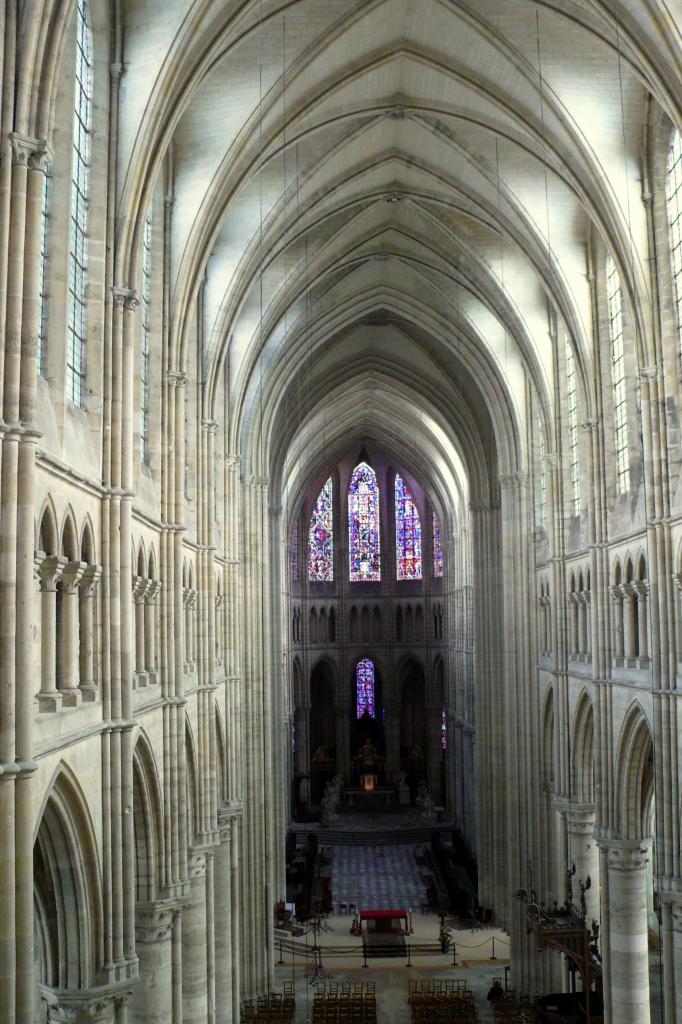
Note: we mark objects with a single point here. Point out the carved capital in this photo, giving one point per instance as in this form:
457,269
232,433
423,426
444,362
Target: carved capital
71,576
32,153
580,819
125,298
590,424
209,426
648,373
175,379
552,460
153,922
627,856
49,571
89,580
152,591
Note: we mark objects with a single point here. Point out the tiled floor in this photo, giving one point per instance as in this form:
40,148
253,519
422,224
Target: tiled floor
375,877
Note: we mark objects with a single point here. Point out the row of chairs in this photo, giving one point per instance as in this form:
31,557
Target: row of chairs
514,1009
274,1008
437,986
345,988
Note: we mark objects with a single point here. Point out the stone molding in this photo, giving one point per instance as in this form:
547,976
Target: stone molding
35,154
153,922
626,855
50,568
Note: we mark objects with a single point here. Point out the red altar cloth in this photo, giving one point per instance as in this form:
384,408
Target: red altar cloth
381,915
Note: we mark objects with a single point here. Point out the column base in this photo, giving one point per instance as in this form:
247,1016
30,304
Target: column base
88,692
50,701
152,676
141,680
71,698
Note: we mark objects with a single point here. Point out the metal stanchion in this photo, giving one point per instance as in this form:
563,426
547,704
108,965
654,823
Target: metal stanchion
280,961
493,957
364,953
409,962
454,954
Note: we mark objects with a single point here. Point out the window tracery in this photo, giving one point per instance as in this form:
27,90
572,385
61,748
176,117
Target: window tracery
571,390
364,688
408,533
437,548
363,525
321,537
673,193
80,181
615,310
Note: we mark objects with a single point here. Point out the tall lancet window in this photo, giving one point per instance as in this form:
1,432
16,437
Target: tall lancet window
571,390
146,335
674,196
408,533
363,525
437,548
620,416
364,688
321,537
293,553
80,182
42,329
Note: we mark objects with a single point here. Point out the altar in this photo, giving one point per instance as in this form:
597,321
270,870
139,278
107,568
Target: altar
375,799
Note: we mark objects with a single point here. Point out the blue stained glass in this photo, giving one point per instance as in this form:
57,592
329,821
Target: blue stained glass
321,538
437,549
364,686
444,730
408,533
293,553
363,525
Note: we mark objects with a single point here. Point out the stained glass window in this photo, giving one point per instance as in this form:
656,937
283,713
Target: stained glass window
443,730
408,533
573,430
321,538
674,197
620,415
80,182
363,525
42,329
293,553
437,549
146,335
364,686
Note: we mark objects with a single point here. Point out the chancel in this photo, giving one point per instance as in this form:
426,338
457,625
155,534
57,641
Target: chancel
340,511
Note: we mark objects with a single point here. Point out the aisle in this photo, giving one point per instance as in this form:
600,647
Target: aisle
375,877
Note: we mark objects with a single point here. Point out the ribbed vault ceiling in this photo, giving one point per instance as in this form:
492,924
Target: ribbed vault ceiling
383,198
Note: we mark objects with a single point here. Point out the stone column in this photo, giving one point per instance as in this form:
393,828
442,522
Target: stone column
223,925
618,630
150,630
342,741
71,576
674,1012
152,1001
574,640
87,588
49,571
629,639
435,752
139,590
641,596
582,625
194,965
584,854
628,951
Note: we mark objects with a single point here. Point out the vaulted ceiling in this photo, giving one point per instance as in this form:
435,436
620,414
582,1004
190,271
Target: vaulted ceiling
376,203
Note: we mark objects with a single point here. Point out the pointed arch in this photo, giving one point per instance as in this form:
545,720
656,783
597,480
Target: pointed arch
321,536
151,571
634,775
364,545
148,821
582,749
87,543
408,533
67,885
69,545
141,562
221,752
192,782
548,738
47,537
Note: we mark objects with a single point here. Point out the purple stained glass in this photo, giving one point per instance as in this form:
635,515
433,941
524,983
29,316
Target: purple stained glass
437,549
293,553
321,538
364,685
408,533
444,730
363,525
